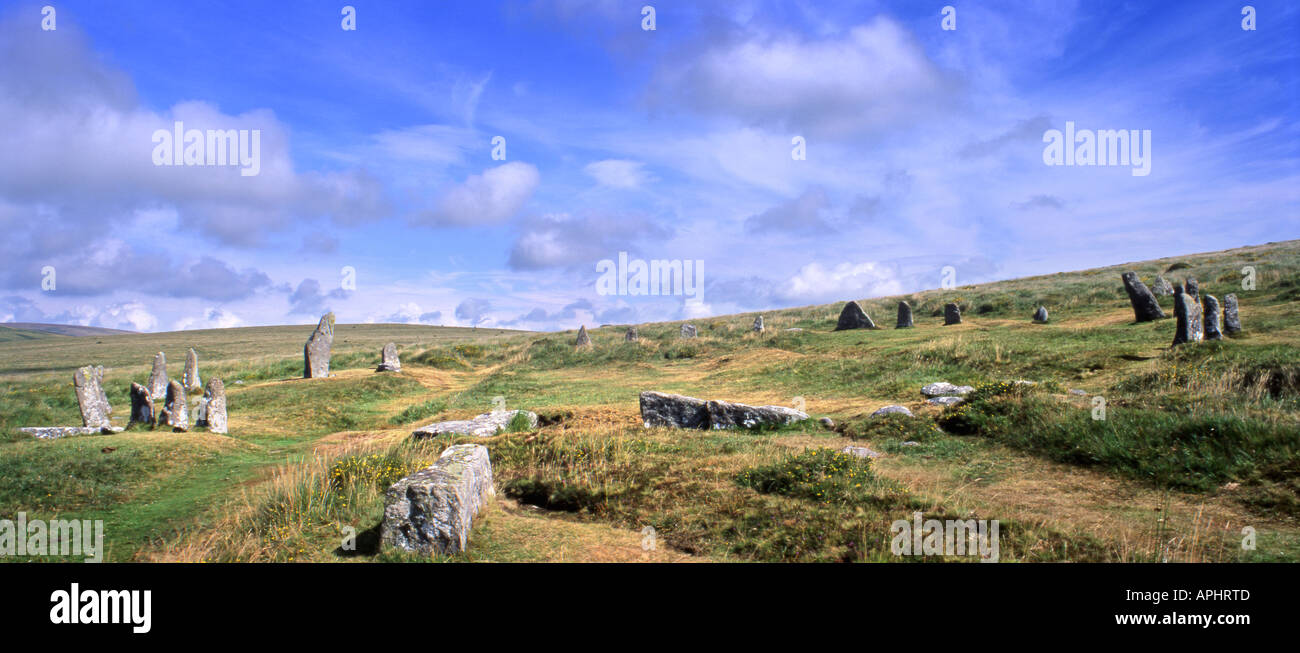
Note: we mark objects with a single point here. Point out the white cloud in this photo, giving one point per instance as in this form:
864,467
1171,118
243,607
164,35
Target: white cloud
618,173
212,318
489,198
815,283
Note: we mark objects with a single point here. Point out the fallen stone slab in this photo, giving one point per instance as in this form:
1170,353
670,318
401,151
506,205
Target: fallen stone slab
432,510
943,388
482,426
53,432
861,452
945,401
1145,306
679,411
892,410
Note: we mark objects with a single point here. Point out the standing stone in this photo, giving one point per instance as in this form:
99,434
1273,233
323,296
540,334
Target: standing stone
951,314
388,360
1040,315
758,324
174,413
158,378
1145,307
1194,293
88,382
432,510
1192,288
1231,321
191,377
853,317
631,335
584,340
215,406
1161,287
316,353
1211,307
1186,311
904,315
688,330
141,405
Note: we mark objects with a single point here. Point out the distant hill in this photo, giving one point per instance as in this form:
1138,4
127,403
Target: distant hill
61,329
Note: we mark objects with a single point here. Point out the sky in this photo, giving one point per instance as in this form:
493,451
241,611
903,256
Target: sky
473,163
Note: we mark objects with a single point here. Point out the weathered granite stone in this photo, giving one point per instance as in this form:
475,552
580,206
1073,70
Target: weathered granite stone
861,452
483,426
1161,287
215,407
1040,315
1197,316
55,432
316,353
945,401
677,411
892,409
191,376
158,377
1145,307
688,331
583,340
758,325
1192,288
388,360
88,383
951,314
1231,321
174,413
631,335
1185,310
853,317
904,315
943,388
1210,305
199,411
432,510
142,411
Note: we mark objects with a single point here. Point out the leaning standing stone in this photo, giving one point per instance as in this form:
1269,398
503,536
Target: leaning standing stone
432,510
583,340
688,330
631,335
951,314
853,317
904,315
388,361
1211,306
1040,315
758,324
141,405
1231,321
191,377
216,406
90,396
316,353
1145,307
174,413
158,378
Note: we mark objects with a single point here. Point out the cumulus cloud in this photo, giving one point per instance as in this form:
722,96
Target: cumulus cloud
411,313
806,214
473,310
815,283
541,317
212,318
307,298
488,198
618,173
561,240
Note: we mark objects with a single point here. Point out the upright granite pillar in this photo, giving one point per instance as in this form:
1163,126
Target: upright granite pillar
904,316
174,412
158,377
388,360
1231,321
191,376
951,314
142,411
1211,308
853,317
91,399
216,406
316,353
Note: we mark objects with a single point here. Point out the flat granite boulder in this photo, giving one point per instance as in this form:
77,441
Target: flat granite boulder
943,388
861,452
432,510
945,401
892,410
678,411
483,426
53,432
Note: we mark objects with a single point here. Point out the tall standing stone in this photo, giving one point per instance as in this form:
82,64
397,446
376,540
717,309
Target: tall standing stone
158,377
191,377
1145,306
1186,311
1211,310
853,317
758,325
583,340
904,315
1161,287
388,360
88,382
216,406
631,335
1192,288
316,353
1040,315
951,314
1231,321
174,413
141,405
688,330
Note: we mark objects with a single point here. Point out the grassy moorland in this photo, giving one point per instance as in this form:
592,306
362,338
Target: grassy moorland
1196,443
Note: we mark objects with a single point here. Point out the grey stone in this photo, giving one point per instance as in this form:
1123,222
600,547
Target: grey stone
1145,306
951,314
1191,287
1186,311
191,376
945,401
174,413
1161,287
688,331
1211,311
432,510
1193,292
316,353
853,317
482,426
55,432
909,443
388,360
892,410
758,325
1040,315
861,452
827,422
216,419
943,388
142,411
904,315
158,377
1231,320
631,335
793,330
1078,392
583,340
678,411
88,384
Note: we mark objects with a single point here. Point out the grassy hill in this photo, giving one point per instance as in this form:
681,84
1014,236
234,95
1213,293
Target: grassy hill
64,329
1196,443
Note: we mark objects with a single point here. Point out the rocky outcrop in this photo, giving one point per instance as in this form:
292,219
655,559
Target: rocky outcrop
432,510
483,426
951,314
1145,306
174,413
1040,315
316,353
853,317
88,384
1231,320
904,316
190,378
678,411
388,360
158,377
1211,311
142,411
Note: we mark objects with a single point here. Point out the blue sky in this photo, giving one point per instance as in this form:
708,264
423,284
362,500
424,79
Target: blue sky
924,150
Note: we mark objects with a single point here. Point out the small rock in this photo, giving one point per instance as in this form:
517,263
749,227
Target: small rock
388,360
909,443
827,422
853,317
1078,392
943,388
951,314
892,410
945,401
793,330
